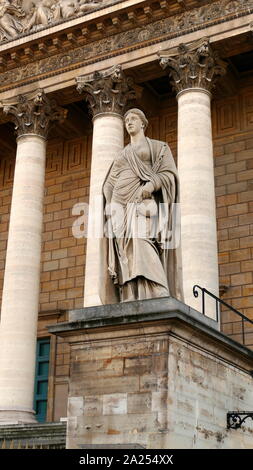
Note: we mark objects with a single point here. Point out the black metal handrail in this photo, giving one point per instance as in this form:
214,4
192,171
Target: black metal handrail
235,419
219,301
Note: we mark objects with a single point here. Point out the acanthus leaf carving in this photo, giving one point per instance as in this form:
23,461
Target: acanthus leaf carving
194,65
33,113
107,91
167,28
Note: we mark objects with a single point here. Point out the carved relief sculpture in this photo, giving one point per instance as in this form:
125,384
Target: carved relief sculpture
139,190
167,27
42,15
64,9
10,24
86,5
14,20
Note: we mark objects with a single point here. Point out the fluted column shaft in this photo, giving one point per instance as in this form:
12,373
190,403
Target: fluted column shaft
19,312
194,69
108,141
107,94
198,215
21,287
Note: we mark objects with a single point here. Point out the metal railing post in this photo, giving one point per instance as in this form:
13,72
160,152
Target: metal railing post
218,303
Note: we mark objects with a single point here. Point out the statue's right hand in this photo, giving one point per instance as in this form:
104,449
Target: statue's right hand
147,190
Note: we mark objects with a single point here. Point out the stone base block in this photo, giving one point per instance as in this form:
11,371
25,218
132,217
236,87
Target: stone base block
33,436
154,374
17,417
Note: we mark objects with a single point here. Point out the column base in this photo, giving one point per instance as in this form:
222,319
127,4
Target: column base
13,416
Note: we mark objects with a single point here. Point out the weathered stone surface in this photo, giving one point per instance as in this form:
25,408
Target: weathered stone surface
93,405
33,113
115,403
48,435
107,91
193,65
180,388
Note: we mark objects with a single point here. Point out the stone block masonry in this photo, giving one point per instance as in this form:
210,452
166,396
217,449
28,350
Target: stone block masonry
63,255
63,259
156,375
67,182
233,150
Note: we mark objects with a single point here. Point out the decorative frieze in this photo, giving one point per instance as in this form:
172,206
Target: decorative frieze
33,113
15,20
113,45
107,91
194,65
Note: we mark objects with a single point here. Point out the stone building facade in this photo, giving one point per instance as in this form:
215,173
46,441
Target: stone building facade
187,65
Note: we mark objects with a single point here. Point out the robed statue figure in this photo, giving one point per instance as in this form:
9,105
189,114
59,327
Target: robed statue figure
140,190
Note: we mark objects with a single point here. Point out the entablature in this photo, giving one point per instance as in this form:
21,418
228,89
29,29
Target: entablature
95,14
116,29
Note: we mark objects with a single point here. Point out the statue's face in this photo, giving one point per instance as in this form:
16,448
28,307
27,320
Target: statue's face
133,123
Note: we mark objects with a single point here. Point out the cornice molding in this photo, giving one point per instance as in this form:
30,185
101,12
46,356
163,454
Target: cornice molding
137,37
95,12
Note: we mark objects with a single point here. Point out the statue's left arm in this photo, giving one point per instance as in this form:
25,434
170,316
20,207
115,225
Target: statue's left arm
164,170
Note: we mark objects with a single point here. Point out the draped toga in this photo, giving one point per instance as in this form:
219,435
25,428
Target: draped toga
141,264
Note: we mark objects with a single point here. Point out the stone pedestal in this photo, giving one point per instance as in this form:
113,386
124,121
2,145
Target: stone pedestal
154,374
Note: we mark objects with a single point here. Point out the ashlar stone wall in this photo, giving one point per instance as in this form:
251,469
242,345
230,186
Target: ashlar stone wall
156,384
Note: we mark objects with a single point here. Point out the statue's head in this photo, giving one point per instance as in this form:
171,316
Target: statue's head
140,114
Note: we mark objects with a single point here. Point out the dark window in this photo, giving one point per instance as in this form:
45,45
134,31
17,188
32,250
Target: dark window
41,379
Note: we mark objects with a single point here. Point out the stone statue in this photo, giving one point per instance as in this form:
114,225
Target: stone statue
86,5
42,15
142,183
14,20
68,8
64,9
10,25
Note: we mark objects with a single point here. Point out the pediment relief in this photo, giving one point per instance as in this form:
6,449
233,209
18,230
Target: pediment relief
19,18
28,16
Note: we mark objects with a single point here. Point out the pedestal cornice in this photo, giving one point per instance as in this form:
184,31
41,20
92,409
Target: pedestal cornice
143,312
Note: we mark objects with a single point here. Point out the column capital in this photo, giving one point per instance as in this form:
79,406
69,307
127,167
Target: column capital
193,65
33,113
107,91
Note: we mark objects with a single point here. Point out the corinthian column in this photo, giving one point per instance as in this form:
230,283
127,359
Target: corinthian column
32,116
107,94
194,70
